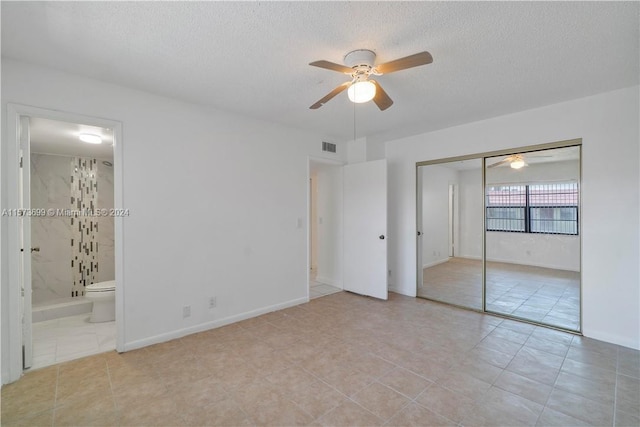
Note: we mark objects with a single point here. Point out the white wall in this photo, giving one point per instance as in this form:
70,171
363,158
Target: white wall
313,221
608,126
218,203
471,214
330,226
435,213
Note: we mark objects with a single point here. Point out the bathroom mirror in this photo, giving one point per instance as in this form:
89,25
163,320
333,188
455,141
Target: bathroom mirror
449,241
532,241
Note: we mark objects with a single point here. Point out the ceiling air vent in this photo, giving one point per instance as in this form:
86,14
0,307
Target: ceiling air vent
328,147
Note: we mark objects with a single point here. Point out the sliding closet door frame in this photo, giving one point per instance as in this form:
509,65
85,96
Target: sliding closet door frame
420,234
577,142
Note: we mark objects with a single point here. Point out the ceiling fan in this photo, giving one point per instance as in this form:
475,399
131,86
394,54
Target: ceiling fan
516,161
360,67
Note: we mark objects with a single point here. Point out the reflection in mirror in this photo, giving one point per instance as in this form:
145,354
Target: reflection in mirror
450,225
532,236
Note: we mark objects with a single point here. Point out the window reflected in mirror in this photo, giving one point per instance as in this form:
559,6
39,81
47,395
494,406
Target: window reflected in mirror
532,236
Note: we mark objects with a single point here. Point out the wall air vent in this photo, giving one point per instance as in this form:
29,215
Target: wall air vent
328,147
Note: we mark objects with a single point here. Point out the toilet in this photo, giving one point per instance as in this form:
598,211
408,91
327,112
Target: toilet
103,295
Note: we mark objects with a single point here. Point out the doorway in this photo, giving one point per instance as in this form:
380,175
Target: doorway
68,237
325,228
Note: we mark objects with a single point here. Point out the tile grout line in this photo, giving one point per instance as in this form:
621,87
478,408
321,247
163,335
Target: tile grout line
615,390
345,395
113,395
55,397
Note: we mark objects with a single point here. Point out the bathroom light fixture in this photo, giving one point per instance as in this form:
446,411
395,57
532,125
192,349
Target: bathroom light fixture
90,138
362,91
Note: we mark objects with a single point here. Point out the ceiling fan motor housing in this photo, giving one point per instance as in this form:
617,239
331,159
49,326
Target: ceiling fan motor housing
360,57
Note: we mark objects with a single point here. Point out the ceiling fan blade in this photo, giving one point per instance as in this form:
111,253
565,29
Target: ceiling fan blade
332,66
501,162
330,95
381,98
410,61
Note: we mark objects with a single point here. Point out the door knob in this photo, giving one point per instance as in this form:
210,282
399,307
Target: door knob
35,249
382,237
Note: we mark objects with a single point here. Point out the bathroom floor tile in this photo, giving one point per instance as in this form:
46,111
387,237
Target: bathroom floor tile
70,338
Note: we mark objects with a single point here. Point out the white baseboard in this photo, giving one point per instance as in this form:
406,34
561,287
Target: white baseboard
531,264
329,281
474,257
614,339
156,339
534,264
434,263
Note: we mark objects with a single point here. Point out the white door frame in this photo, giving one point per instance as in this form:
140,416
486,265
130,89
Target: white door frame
314,159
11,317
25,240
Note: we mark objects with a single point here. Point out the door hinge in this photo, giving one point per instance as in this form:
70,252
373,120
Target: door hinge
20,162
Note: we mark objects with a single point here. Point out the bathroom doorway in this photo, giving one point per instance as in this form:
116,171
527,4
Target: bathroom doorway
69,236
325,228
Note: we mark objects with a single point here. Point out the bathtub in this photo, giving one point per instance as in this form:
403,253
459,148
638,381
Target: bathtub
62,307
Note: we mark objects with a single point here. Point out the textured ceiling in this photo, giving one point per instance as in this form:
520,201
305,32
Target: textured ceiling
490,58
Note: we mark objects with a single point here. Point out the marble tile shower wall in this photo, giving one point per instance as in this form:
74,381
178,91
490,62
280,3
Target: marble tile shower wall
106,254
84,228
52,187
50,267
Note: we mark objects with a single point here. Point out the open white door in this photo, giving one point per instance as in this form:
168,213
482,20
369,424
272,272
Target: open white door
365,228
25,241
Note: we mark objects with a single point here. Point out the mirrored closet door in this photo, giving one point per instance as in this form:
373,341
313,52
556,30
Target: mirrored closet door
500,233
532,203
450,232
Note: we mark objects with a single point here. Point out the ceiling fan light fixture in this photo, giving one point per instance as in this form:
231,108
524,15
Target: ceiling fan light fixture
361,92
90,138
517,164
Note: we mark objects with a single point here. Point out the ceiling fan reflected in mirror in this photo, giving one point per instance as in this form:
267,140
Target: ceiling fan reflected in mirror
515,161
359,66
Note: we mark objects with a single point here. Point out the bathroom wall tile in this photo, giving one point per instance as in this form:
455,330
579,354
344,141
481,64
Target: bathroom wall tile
50,188
50,281
105,186
51,235
50,181
106,254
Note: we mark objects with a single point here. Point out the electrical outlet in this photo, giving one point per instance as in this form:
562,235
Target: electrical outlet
186,311
212,302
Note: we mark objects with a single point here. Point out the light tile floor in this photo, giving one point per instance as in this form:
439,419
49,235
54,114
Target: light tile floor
319,289
344,360
539,294
69,338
